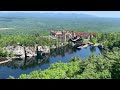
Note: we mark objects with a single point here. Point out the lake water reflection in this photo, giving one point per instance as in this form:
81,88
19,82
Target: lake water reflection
27,65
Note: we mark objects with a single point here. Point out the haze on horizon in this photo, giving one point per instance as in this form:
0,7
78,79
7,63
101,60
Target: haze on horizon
112,14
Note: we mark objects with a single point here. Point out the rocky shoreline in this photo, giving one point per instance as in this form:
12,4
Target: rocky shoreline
5,61
20,51
95,45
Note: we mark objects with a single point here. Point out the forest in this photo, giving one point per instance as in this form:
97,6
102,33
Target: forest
26,40
43,25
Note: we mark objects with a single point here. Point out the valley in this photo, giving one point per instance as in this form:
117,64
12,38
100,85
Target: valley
59,46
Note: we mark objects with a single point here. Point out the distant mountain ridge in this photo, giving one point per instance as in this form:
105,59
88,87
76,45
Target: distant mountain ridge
59,15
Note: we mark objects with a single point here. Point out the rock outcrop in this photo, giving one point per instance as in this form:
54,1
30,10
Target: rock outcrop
22,52
30,51
40,49
44,49
53,47
18,51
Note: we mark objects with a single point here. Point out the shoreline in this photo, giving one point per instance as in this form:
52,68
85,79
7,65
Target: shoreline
80,47
86,45
5,61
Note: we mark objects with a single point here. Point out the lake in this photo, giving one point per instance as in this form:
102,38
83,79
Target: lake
17,67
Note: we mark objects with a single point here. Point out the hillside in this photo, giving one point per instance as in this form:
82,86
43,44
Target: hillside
24,23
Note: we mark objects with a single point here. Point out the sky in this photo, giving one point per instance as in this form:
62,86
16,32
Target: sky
115,14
